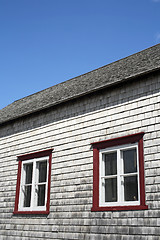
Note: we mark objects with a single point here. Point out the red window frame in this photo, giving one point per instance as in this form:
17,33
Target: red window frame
134,138
21,158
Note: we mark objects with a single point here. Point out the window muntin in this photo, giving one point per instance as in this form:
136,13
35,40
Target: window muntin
124,143
34,184
119,176
41,185
27,186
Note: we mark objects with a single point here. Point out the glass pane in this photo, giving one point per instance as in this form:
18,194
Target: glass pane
41,195
131,188
28,169
130,160
42,171
27,196
111,190
110,163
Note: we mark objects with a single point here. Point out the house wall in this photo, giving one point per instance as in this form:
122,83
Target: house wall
70,129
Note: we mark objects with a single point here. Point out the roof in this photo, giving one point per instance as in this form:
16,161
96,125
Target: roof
125,69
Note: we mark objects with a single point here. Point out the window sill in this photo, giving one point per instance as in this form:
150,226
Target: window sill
31,212
119,208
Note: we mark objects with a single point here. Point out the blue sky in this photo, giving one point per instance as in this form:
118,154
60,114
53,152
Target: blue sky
45,42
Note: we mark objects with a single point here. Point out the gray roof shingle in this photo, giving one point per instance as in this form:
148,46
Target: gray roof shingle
127,68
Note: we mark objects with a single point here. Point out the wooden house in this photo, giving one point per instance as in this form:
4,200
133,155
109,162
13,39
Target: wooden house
81,159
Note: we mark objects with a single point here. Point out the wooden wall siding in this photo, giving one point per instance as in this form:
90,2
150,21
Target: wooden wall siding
126,110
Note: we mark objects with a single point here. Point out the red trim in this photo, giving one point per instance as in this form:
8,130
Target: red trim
141,172
138,137
35,155
118,141
18,186
44,153
49,184
31,212
119,208
95,177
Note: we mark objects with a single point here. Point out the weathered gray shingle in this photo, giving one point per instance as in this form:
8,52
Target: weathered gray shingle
128,68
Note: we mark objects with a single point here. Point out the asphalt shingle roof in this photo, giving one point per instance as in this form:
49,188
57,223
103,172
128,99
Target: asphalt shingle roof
127,68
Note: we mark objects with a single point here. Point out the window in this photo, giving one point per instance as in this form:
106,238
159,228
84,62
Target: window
118,174
33,183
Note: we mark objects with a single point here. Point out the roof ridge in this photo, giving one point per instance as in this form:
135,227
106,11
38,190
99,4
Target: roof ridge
124,69
81,75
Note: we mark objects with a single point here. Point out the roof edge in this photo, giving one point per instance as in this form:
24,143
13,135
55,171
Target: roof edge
140,74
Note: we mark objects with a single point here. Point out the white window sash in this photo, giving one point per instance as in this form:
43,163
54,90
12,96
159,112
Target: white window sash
34,184
120,176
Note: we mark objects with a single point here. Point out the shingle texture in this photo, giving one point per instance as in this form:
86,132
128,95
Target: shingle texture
137,64
129,110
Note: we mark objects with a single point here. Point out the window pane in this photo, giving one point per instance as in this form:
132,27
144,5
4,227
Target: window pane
131,188
110,163
42,171
111,190
28,169
130,160
41,195
27,196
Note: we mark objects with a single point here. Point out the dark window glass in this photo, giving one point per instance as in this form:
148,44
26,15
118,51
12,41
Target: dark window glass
42,171
28,169
131,188
110,163
41,195
130,160
27,196
111,190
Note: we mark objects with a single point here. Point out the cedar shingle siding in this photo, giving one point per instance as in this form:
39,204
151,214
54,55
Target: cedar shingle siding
116,100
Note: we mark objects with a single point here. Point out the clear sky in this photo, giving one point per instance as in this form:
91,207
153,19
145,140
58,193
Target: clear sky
45,42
